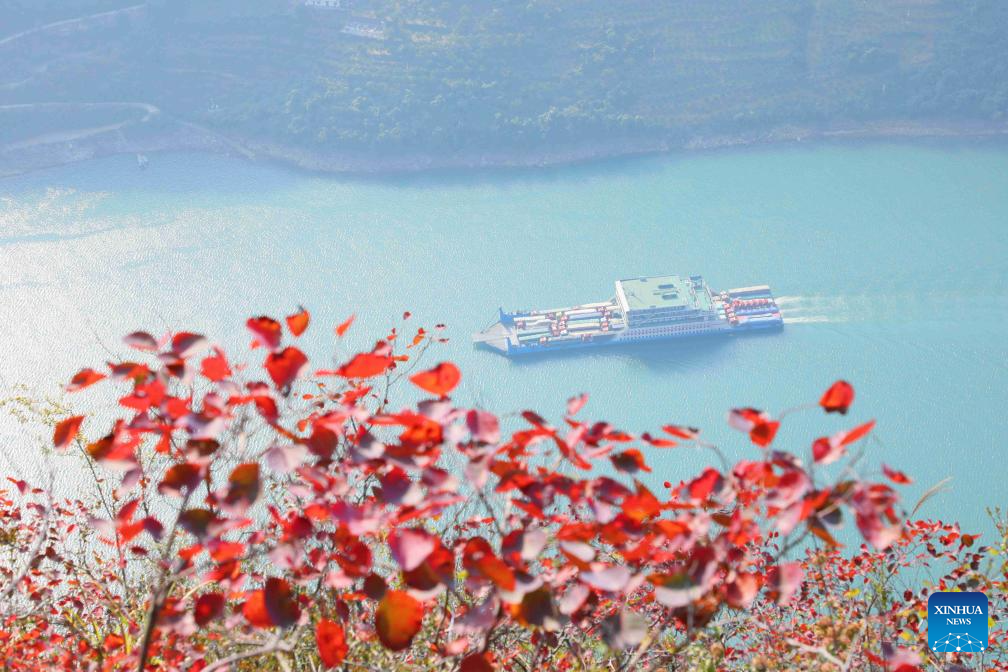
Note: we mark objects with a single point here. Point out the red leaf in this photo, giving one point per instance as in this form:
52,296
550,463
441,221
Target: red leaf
224,551
243,485
896,476
182,476
215,367
706,483
84,378
826,451
763,432
254,610
280,603
129,370
847,438
364,365
352,396
398,619
298,322
630,461
838,398
477,662
66,430
331,640
641,505
440,380
144,396
284,366
197,522
478,558
266,331
375,586
116,448
343,326
681,432
760,426
658,442
208,607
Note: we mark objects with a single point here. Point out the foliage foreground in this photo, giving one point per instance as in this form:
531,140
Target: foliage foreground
280,517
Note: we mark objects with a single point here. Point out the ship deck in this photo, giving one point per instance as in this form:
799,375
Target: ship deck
555,325
604,321
495,336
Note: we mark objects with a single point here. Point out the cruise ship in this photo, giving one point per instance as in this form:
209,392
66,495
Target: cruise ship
643,309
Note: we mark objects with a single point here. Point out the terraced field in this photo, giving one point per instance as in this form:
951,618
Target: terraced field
453,77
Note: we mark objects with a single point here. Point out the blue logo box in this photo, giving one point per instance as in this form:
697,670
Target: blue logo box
957,622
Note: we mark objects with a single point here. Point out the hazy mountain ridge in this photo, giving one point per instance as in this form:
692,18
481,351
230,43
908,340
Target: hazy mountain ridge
439,78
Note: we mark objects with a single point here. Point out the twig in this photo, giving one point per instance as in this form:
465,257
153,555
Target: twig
818,650
276,646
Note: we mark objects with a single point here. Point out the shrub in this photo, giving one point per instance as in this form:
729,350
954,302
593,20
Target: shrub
288,518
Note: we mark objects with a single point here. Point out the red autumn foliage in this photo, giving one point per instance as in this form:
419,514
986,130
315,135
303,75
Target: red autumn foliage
398,619
284,366
298,322
342,328
256,514
66,431
266,331
208,607
332,647
365,365
84,378
440,380
838,398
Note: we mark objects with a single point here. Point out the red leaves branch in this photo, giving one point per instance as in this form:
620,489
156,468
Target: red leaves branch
514,533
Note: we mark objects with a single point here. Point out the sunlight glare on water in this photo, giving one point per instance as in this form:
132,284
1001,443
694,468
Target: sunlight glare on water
889,259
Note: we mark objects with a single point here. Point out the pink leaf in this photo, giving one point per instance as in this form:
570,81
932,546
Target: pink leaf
785,579
575,404
610,579
410,547
483,426
141,340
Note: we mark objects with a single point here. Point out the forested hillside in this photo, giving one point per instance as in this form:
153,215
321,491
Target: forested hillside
393,77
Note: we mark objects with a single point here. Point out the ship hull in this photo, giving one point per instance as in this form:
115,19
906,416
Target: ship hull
532,351
645,310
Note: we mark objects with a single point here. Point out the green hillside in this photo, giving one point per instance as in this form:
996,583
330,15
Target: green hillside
392,77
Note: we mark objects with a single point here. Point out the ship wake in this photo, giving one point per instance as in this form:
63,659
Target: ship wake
808,319
812,309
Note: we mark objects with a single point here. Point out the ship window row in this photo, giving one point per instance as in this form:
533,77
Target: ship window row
702,317
650,333
659,316
664,309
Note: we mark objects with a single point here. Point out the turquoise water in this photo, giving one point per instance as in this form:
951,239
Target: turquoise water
891,261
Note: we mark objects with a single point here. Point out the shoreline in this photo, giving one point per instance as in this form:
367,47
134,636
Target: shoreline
178,136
